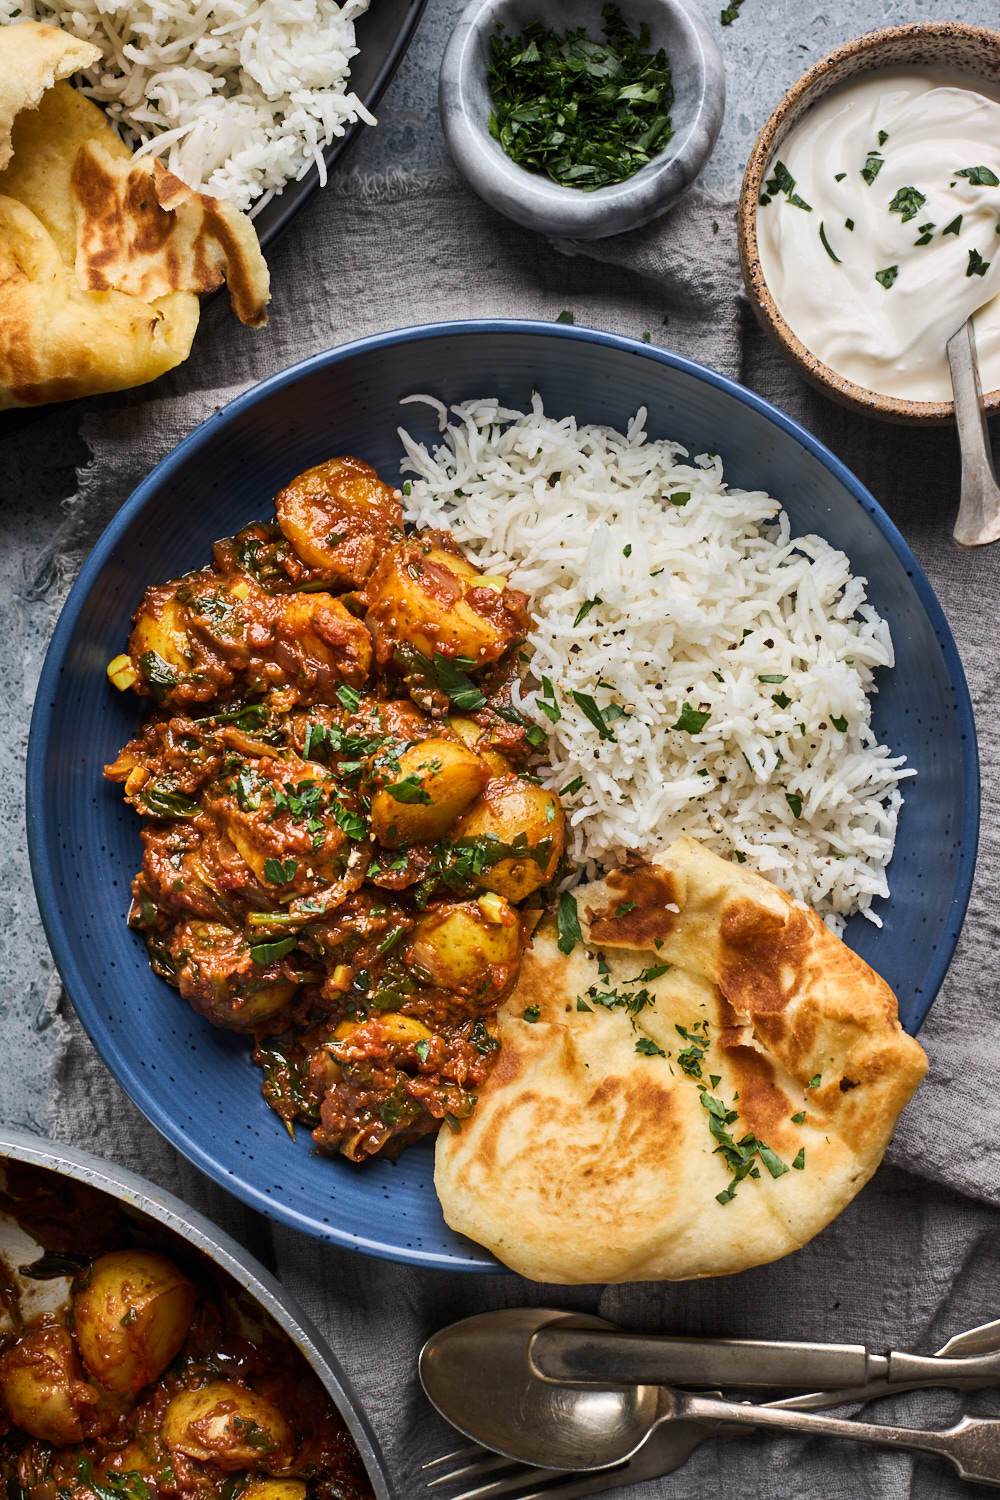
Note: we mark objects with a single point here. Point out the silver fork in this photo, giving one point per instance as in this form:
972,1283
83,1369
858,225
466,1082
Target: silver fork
667,1448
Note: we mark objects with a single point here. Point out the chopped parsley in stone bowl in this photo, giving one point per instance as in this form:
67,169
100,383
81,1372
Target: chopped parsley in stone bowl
486,127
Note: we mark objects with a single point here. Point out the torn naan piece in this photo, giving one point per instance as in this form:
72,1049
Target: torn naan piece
32,58
102,257
699,1090
142,231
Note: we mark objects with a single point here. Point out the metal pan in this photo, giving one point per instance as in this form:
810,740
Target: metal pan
144,1200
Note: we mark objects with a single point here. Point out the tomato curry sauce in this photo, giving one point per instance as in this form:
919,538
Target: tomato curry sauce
341,825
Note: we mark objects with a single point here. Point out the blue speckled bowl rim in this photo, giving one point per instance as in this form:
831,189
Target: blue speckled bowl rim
38,815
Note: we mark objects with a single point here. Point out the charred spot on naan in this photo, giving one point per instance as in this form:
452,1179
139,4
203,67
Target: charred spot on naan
142,231
763,959
764,1106
641,915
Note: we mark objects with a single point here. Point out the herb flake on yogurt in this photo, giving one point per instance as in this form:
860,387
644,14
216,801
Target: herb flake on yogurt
898,174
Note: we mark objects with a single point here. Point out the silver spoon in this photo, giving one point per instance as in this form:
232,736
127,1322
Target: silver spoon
979,510
485,1386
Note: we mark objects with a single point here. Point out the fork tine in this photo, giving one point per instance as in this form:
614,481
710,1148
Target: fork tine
475,1450
525,1474
597,1482
473,1470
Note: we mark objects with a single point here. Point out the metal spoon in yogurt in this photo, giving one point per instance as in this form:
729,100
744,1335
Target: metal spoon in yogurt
979,509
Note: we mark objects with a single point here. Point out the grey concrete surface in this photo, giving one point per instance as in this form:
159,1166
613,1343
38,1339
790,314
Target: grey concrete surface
770,45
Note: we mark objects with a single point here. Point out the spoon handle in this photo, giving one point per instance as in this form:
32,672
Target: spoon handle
979,511
572,1356
972,1445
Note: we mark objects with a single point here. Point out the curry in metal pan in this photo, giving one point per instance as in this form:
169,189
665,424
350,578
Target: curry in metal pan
344,849
132,1369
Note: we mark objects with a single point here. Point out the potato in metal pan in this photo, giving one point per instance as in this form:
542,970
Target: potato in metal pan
143,1352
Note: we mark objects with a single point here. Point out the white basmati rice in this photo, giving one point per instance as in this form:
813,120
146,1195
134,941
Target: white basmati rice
237,97
707,606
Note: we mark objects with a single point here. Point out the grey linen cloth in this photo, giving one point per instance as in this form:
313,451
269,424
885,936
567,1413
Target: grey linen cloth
915,1258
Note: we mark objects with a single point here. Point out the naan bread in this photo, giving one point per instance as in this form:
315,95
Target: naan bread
590,1156
102,257
32,57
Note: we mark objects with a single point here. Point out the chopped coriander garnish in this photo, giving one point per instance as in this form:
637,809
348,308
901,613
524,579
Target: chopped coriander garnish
572,787
977,266
979,176
954,226
795,803
584,113
826,244
266,953
565,316
648,1047
581,1004
532,1014
681,497
731,12
568,923
627,549
584,610
456,684
773,1163
781,699
908,202
349,697
925,232
407,488
279,872
849,224
839,176
800,1160
598,717
872,167
797,1119
409,789
623,908
887,277
739,856
784,182
839,723
422,1048
691,721
773,677
883,136
815,1081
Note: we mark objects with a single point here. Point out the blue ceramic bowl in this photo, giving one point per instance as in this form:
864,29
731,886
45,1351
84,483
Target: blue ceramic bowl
197,1084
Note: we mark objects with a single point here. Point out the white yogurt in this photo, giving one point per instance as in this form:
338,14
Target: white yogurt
889,338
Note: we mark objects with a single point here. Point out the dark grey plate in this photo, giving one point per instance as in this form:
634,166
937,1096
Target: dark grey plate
383,34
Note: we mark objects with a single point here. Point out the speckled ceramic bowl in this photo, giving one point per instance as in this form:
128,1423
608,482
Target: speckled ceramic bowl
972,49
195,1081
679,26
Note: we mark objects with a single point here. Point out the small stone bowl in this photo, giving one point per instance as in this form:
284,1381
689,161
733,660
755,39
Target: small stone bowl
974,50
532,199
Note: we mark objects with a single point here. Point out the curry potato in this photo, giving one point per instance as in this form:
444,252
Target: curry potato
458,943
43,1388
437,780
132,1317
229,1425
511,811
